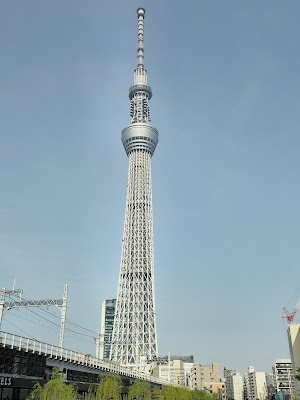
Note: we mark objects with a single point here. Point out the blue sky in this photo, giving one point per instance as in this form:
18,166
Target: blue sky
225,81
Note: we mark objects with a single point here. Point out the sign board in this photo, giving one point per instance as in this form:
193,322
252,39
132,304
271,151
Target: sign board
5,381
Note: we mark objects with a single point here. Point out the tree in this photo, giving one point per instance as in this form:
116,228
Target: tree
157,393
183,393
91,394
139,390
169,392
110,388
37,391
55,389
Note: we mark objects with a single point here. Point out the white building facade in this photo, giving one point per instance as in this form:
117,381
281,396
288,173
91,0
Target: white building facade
255,385
234,384
173,372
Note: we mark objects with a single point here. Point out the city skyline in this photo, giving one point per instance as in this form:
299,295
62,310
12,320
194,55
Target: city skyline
226,214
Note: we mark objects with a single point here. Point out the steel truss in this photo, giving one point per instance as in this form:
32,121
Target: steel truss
134,334
62,304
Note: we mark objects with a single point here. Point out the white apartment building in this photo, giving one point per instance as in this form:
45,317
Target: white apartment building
173,372
234,384
255,385
284,377
187,367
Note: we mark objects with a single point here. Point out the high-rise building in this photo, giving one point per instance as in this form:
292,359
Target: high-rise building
234,384
106,329
284,377
271,387
215,372
134,334
255,385
188,366
294,344
202,375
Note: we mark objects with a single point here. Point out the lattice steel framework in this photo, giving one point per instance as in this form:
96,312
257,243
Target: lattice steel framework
134,340
22,303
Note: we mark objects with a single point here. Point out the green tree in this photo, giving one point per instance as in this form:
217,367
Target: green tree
37,391
202,395
91,394
183,393
169,392
139,390
55,389
110,388
157,393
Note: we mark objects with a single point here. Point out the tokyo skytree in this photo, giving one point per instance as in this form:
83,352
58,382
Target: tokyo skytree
134,340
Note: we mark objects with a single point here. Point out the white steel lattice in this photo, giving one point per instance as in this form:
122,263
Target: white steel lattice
134,339
134,336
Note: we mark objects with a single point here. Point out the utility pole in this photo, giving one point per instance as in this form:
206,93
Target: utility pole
8,305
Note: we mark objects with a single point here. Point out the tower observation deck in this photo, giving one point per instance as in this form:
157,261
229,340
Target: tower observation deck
134,340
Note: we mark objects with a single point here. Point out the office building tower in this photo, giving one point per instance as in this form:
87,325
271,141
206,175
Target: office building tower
107,323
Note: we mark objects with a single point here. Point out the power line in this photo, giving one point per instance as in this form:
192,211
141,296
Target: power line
67,321
19,328
31,337
32,320
70,330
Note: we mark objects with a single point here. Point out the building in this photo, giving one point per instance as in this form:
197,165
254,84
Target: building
294,345
188,366
271,387
284,377
234,384
107,323
228,381
255,385
134,340
215,372
169,367
173,371
218,388
165,359
202,375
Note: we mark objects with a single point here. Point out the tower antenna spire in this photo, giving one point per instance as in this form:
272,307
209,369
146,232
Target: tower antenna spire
140,49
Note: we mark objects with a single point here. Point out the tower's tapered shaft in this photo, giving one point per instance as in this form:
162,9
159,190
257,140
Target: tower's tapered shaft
134,335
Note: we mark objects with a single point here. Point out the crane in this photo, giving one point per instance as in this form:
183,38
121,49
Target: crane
291,315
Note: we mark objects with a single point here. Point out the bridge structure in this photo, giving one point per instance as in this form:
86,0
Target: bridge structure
24,361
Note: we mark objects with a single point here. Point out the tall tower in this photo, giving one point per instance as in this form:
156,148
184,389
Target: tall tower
134,339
